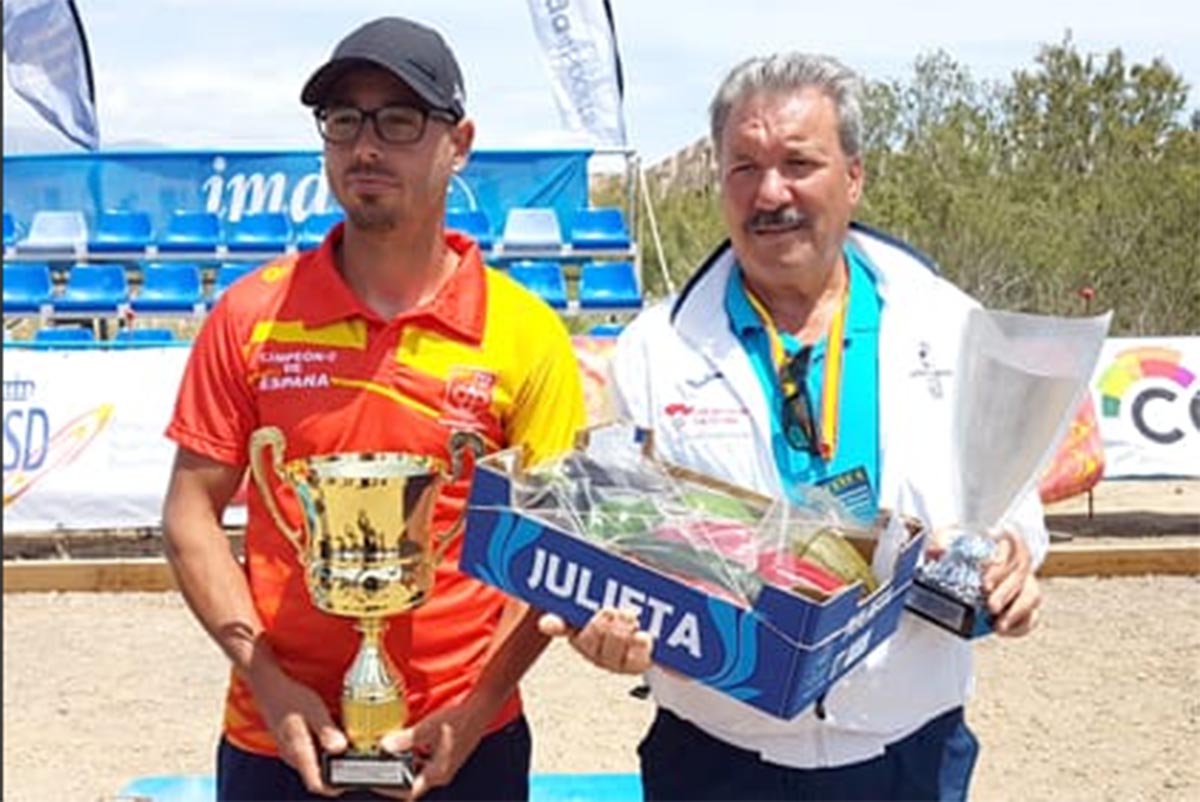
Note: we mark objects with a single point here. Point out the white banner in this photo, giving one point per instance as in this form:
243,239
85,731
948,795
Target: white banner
580,50
83,437
1147,395
84,445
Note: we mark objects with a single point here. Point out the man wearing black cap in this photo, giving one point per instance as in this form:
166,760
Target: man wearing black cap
389,337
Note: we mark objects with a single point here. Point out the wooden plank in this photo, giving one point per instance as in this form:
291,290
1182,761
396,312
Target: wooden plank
1133,559
87,576
154,575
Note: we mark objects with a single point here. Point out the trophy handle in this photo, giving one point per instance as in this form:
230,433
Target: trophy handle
461,442
271,436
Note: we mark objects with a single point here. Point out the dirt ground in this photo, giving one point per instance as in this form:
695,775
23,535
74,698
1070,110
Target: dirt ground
1101,703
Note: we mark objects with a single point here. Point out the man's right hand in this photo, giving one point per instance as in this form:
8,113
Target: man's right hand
299,721
610,640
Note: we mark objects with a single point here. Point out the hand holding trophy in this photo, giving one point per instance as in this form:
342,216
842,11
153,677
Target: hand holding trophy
367,552
1020,377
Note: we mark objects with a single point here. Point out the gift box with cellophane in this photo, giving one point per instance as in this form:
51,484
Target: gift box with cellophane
769,601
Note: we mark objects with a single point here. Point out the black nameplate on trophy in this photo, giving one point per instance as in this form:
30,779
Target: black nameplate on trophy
378,771
950,612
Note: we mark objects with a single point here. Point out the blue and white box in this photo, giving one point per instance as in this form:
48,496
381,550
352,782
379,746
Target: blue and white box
779,655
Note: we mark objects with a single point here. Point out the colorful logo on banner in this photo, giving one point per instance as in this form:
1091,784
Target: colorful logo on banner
1154,384
31,451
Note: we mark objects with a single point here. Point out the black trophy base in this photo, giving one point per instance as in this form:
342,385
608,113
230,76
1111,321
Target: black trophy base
937,605
373,771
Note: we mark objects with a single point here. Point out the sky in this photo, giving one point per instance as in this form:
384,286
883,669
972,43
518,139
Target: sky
228,73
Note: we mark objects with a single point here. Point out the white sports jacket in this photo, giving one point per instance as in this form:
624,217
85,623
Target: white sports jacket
680,371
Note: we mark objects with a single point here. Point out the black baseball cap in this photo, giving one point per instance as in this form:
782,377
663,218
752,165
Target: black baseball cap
415,54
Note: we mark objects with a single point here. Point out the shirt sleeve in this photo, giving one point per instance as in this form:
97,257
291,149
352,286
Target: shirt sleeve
549,408
215,411
628,373
1028,521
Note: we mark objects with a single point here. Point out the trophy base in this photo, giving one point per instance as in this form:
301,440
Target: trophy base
378,771
936,605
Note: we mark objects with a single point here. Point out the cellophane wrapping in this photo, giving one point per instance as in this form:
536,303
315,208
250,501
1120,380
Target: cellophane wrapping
718,537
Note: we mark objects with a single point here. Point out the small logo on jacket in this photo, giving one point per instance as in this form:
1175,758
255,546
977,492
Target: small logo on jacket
700,381
710,421
931,372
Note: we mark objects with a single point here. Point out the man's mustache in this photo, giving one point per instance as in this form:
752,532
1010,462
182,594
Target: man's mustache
783,217
368,171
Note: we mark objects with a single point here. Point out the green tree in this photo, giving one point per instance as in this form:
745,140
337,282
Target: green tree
1081,171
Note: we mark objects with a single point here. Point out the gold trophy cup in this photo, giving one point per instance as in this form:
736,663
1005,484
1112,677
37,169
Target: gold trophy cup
368,554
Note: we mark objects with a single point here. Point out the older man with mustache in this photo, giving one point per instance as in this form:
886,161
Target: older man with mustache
814,338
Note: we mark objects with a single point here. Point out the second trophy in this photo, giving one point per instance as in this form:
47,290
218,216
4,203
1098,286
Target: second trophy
367,550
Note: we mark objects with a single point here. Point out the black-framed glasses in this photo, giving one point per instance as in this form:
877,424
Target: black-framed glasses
799,424
396,124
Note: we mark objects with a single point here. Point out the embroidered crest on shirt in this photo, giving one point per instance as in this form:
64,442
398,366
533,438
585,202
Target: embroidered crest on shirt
469,393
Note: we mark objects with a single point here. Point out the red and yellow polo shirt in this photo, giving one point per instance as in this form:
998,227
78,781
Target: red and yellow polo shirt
291,346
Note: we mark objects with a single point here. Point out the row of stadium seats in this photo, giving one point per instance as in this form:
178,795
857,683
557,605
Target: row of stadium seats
131,232
104,289
600,228
601,285
179,287
85,337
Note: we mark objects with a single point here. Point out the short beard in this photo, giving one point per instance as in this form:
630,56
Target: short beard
372,219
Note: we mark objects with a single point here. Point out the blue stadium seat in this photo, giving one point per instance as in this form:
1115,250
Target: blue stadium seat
10,230
606,329
261,231
169,287
311,232
599,228
191,231
28,288
121,230
95,289
156,336
64,335
228,273
54,232
609,285
545,278
527,229
474,224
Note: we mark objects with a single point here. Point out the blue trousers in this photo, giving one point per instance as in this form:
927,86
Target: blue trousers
681,761
498,769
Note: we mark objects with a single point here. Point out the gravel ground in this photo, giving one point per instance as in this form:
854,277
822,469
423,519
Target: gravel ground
1101,703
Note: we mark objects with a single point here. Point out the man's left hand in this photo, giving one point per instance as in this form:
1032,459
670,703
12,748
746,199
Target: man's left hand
441,742
1013,596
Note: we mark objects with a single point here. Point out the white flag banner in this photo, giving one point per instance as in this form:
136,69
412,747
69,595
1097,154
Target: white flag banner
579,44
49,65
